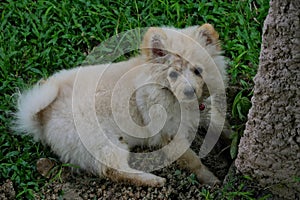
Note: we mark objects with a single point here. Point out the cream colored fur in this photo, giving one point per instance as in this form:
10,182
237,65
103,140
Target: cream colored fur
66,111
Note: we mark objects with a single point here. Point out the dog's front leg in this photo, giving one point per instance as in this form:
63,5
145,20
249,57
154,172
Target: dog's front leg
190,161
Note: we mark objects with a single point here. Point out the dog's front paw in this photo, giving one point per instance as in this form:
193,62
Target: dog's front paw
207,177
214,181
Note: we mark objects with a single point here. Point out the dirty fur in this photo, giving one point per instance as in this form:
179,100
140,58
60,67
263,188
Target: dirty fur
66,110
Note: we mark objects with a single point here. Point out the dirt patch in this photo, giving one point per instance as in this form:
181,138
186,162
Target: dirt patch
180,184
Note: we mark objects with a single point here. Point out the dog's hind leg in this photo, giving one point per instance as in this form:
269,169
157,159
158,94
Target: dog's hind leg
135,177
118,169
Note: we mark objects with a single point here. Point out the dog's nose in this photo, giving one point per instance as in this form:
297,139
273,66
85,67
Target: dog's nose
189,92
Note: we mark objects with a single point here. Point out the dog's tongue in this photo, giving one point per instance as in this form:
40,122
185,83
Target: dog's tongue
201,106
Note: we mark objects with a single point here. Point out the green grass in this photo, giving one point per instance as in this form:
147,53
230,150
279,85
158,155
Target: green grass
40,37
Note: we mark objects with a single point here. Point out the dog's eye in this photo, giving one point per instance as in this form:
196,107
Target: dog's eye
173,74
198,71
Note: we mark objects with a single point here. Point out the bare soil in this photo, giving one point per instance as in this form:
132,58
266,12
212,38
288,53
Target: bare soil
180,184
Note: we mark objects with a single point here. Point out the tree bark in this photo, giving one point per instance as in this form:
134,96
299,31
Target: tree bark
269,151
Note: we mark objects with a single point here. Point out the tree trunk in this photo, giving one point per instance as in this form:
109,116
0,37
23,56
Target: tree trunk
269,151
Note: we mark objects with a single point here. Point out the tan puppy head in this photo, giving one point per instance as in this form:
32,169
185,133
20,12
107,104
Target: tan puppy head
183,56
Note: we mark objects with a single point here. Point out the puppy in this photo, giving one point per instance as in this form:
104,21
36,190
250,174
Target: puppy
91,116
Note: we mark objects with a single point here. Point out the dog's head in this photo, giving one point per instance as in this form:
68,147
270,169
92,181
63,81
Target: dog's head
184,56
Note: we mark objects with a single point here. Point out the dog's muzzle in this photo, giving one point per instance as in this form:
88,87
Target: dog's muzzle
189,92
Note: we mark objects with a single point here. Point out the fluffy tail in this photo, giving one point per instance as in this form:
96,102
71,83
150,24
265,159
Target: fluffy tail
30,104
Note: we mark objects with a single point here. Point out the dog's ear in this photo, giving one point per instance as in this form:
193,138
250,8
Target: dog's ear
154,43
209,35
